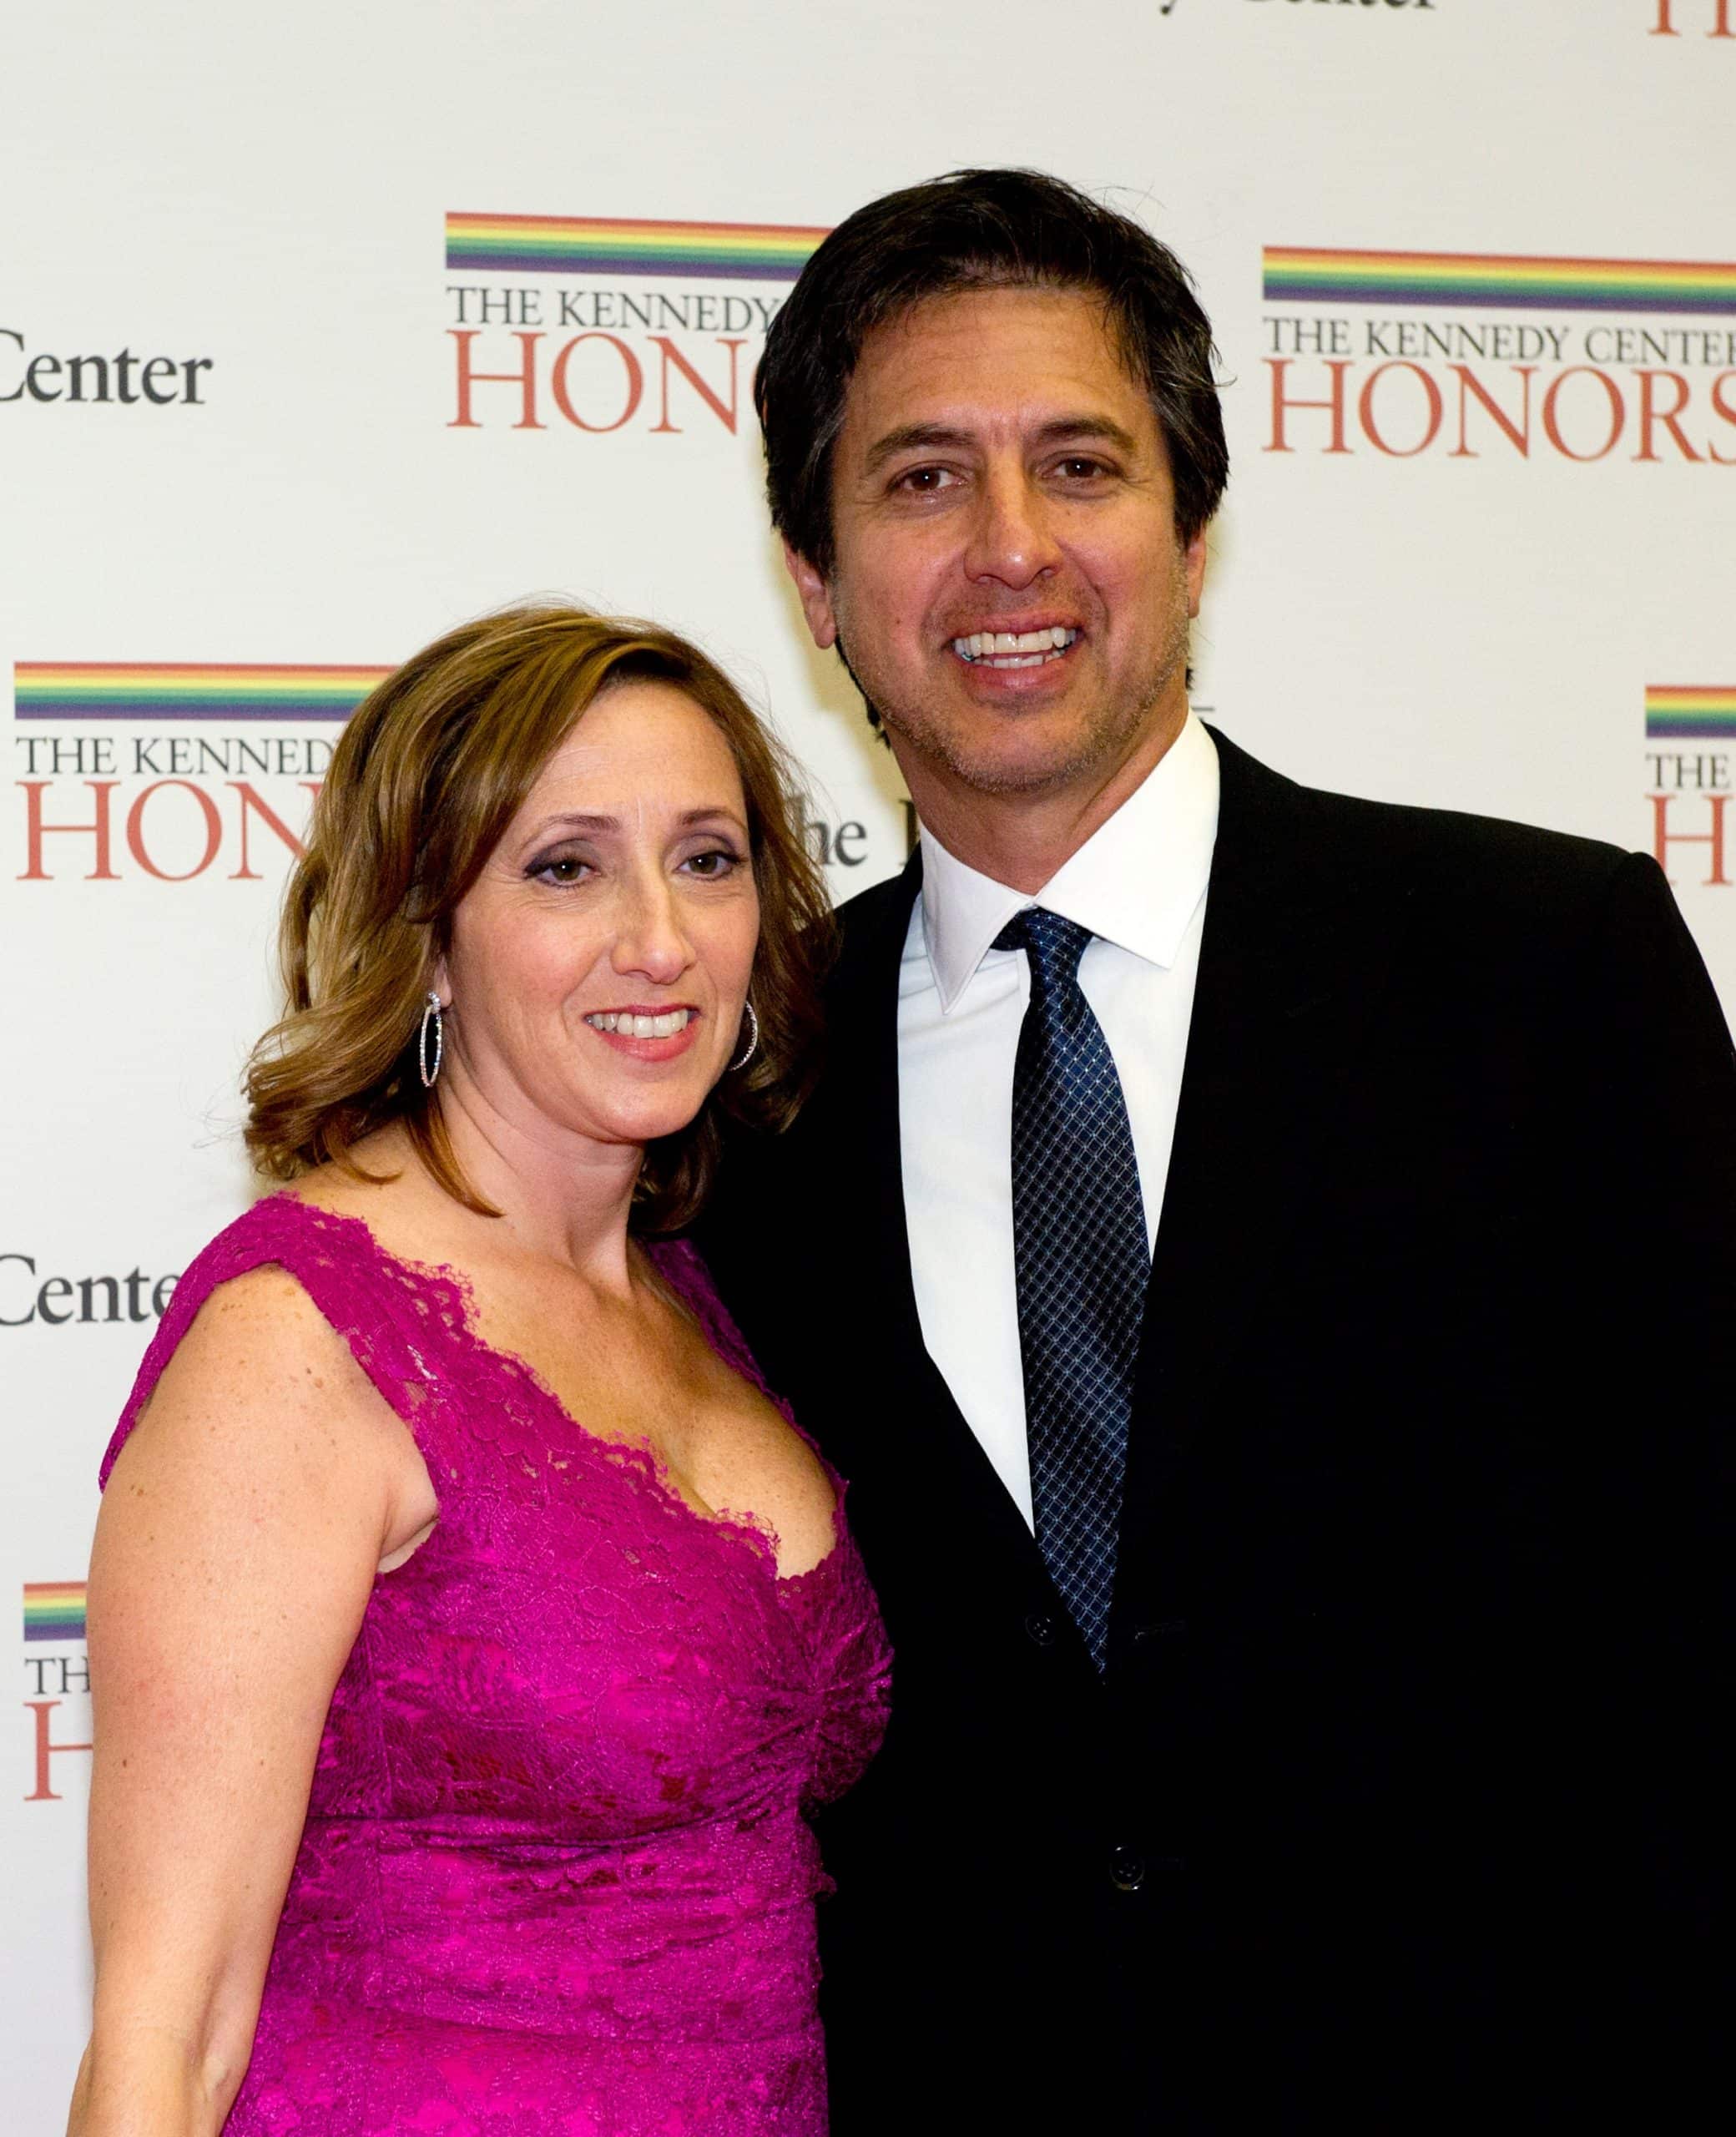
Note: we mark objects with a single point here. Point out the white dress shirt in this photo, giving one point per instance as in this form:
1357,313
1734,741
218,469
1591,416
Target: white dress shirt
1138,883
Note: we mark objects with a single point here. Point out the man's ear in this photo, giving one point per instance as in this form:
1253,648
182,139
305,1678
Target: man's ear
817,598
1193,561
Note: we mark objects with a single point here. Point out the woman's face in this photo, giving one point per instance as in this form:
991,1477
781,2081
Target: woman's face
599,964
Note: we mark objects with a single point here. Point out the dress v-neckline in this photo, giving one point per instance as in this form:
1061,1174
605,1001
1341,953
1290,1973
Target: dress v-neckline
747,1530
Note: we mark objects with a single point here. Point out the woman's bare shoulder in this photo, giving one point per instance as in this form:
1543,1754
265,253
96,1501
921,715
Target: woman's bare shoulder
258,1374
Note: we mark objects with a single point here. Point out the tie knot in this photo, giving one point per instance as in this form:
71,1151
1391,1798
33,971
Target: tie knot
1053,945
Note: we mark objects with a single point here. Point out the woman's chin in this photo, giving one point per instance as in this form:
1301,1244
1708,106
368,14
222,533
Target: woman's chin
647,1118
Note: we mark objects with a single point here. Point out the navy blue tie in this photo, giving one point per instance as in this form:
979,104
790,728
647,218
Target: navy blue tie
1078,1234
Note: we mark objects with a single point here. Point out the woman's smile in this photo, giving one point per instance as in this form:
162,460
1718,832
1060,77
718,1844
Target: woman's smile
646,1031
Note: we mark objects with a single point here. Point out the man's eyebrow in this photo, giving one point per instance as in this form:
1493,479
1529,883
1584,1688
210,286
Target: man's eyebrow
1102,427
916,437
910,436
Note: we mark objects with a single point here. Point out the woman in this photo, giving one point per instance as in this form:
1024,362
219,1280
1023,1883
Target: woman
449,1515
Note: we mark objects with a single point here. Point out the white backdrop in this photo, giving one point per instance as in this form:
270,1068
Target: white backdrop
245,215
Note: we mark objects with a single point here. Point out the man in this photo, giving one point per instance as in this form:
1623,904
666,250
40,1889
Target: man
1223,1256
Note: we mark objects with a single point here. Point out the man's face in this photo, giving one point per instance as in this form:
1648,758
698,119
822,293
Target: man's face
1008,587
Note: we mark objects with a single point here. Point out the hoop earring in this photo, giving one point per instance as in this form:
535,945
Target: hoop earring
430,1016
748,1052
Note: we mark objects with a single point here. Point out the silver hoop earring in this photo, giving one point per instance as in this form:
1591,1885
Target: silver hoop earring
748,1052
432,1018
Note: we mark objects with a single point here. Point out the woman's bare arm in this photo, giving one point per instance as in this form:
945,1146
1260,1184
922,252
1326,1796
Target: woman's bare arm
239,1538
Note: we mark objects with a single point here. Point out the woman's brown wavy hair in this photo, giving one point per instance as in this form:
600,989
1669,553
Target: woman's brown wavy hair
431,769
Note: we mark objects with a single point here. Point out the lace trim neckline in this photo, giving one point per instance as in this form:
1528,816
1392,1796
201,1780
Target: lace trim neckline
758,1537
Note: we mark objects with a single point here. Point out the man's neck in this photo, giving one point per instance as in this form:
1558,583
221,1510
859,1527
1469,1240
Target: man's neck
1024,840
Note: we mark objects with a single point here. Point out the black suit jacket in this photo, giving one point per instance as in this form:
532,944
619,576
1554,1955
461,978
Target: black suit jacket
1396,1800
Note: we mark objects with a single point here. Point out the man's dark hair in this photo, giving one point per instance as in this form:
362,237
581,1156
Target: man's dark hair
980,230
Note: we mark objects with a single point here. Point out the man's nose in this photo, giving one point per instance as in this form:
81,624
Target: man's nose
650,940
1012,541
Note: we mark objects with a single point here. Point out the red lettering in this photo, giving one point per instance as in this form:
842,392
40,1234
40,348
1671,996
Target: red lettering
525,378
135,831
1721,406
1365,411
1471,387
1618,413
1665,25
42,1709
1663,838
252,801
1281,401
35,831
1648,415
635,383
671,355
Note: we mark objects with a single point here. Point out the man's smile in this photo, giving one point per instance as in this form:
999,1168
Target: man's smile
1033,649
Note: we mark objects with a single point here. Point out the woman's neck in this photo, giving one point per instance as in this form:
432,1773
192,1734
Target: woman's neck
561,1197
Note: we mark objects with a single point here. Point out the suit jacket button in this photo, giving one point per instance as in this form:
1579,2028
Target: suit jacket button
1041,1630
1127,1870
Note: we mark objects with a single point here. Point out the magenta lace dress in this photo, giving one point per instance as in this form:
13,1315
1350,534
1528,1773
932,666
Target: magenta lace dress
555,1879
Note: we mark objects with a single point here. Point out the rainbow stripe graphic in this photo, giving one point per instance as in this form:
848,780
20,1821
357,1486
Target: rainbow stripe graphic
1685,709
1313,274
125,689
53,1610
595,244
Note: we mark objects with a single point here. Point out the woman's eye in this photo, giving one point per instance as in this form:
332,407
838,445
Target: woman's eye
560,868
714,862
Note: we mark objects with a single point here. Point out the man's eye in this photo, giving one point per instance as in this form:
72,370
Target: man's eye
1081,467
925,480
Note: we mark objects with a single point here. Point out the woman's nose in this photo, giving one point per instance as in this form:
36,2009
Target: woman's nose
651,940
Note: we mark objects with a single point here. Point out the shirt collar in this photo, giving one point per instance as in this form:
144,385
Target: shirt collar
1136,881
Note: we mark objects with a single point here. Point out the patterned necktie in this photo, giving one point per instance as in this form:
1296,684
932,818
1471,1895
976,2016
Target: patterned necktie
1078,1233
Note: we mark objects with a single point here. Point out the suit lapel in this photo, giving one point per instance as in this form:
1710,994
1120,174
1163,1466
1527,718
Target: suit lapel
1291,960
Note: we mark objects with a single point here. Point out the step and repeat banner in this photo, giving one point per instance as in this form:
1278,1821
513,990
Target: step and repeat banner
322,329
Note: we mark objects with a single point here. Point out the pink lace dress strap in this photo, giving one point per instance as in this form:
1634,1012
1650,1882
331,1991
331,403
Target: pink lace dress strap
677,1261
680,1263
335,1263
